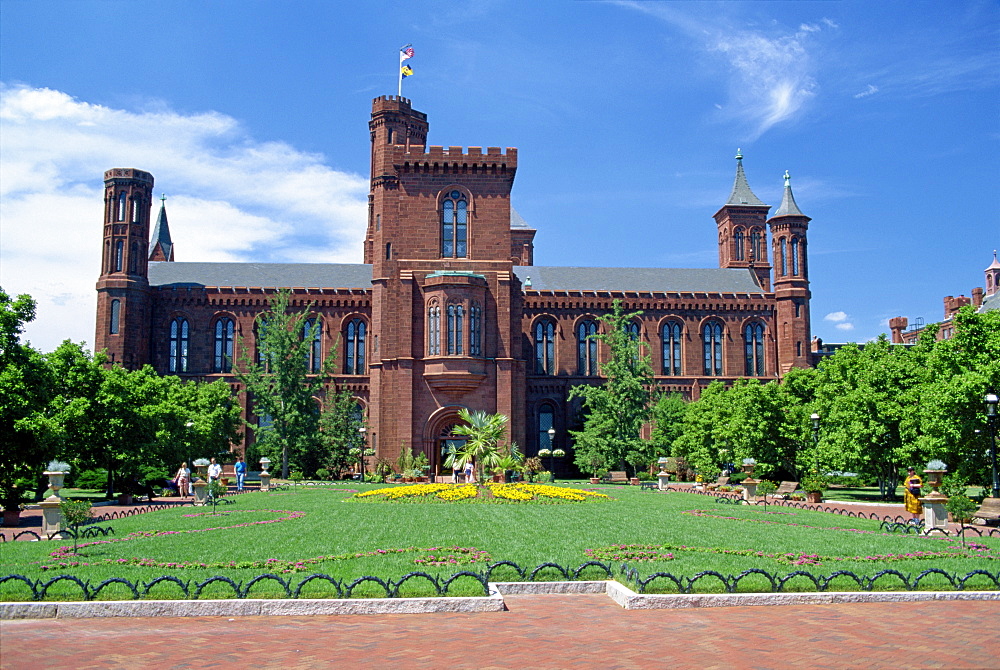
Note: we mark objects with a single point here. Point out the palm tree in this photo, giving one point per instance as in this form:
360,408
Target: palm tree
485,431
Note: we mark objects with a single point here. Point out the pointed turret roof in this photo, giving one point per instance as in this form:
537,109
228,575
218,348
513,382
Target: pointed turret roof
995,265
742,195
788,206
161,236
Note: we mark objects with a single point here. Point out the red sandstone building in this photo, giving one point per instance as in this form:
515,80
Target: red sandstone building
448,310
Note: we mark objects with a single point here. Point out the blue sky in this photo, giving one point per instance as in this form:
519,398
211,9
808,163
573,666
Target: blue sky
253,115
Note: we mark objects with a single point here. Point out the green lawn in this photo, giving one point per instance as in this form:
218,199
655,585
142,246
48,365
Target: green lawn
329,528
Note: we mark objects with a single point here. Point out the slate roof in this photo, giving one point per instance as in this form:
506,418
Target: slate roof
742,195
161,233
266,275
788,205
544,278
990,303
710,280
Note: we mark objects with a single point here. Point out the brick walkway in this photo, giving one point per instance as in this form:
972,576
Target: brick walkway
543,631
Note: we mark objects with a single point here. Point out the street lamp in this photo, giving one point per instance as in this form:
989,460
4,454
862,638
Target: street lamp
991,419
361,456
815,421
552,458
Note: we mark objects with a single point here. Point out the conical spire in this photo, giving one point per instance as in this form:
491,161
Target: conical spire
742,195
995,265
162,247
788,206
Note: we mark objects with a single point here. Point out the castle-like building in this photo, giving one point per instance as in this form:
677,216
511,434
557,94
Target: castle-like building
448,309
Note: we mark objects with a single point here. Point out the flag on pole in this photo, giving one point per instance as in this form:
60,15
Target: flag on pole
405,52
404,70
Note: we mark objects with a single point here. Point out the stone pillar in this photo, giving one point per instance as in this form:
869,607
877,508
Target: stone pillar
265,481
664,478
749,489
935,513
52,518
200,492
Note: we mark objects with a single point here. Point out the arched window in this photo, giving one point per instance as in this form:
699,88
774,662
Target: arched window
135,209
454,225
755,245
455,316
546,420
122,200
260,336
632,329
784,256
753,341
312,333
178,354
671,335
586,348
738,251
433,329
795,256
116,314
711,336
225,333
132,258
475,330
119,255
545,348
354,361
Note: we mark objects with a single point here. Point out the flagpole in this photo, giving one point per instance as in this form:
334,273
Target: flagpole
399,73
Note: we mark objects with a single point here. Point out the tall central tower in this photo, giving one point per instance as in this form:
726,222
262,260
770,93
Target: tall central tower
742,229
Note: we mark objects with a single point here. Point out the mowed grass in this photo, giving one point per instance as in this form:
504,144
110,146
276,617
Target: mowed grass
328,525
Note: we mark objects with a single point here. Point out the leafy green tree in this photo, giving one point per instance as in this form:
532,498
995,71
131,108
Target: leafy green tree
281,387
617,409
76,513
340,425
700,442
197,420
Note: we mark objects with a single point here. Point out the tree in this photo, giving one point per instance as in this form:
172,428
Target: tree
281,387
485,432
617,409
340,425
699,442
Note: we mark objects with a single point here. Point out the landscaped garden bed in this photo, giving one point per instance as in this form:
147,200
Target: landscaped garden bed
329,531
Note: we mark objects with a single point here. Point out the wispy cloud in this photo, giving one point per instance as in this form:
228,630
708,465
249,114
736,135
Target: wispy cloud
231,197
869,90
840,319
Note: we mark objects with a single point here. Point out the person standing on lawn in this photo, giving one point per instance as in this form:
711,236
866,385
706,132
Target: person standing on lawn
214,471
241,472
911,493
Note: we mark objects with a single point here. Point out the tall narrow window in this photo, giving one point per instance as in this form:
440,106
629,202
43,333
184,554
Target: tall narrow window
784,256
454,225
388,251
225,333
122,200
795,256
135,210
546,420
357,332
132,258
434,330
755,245
545,347
671,336
312,334
116,315
753,341
586,348
475,330
711,336
738,241
178,358
260,335
119,255
456,314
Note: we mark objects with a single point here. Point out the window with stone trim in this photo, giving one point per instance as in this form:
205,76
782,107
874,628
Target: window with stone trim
354,338
795,256
586,348
711,337
116,315
119,255
224,337
756,245
312,335
738,245
434,329
671,337
122,204
475,330
545,347
456,315
753,343
546,420
783,246
178,351
454,225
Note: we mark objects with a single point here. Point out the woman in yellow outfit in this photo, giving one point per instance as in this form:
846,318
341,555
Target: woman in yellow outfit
911,491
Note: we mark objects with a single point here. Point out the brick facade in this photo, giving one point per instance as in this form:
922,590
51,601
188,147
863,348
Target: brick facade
451,302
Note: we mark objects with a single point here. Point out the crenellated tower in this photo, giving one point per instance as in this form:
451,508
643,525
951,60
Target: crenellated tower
791,282
742,229
123,288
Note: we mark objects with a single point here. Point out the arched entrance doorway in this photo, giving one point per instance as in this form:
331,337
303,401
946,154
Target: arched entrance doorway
447,443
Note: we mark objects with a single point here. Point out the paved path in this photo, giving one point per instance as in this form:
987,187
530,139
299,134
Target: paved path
539,631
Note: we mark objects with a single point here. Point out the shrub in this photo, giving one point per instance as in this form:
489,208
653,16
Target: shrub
644,476
322,474
92,479
766,487
296,476
954,485
961,508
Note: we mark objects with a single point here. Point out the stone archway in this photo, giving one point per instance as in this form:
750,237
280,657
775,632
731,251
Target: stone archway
439,437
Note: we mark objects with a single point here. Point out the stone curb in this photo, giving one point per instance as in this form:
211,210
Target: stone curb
624,596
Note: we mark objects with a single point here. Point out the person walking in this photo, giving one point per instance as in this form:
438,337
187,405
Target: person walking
241,473
214,471
911,493
182,478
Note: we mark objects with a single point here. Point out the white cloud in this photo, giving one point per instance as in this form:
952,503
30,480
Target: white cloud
870,90
230,198
844,326
836,316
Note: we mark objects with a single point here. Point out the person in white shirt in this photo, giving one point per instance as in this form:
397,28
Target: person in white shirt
214,471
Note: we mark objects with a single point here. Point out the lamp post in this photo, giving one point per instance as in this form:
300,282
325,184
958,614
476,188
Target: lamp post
362,431
552,458
991,419
815,421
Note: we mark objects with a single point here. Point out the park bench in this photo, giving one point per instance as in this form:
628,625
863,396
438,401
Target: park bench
721,481
617,477
786,489
651,486
989,511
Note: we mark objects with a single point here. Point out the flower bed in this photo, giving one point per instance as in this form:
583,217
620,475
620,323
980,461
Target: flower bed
513,493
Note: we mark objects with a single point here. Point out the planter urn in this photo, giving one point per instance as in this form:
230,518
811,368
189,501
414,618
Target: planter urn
814,496
934,480
595,480
56,480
